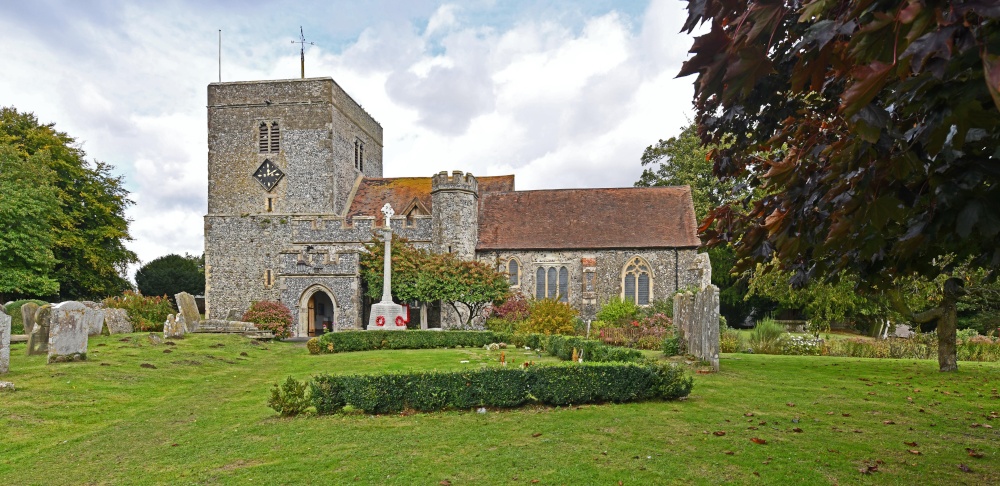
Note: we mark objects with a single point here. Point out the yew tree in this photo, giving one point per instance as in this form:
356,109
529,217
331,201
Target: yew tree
873,126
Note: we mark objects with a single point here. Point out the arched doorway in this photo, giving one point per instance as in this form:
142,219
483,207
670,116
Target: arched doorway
317,311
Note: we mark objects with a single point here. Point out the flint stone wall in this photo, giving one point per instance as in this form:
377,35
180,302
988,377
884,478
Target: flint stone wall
38,340
68,332
4,342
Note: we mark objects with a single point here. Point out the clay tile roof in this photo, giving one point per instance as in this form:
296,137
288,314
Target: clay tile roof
640,217
400,192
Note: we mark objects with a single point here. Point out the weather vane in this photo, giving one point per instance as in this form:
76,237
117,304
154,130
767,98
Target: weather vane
302,44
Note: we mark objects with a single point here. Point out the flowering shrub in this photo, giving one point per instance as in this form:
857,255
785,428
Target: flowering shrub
730,341
618,312
146,313
801,345
549,316
271,316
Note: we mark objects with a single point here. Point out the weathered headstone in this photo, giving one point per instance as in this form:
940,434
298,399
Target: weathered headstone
187,307
117,321
696,316
174,328
68,332
903,331
154,339
4,342
701,267
93,318
38,340
28,311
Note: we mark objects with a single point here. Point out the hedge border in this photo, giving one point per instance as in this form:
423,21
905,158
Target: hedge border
565,384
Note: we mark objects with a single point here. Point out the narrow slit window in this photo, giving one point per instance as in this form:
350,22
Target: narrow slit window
267,278
270,204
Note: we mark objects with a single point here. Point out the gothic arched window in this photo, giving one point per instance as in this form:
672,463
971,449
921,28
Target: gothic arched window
637,282
513,272
540,283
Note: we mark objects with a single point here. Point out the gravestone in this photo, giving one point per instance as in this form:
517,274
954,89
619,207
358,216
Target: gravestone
117,321
93,318
38,340
4,342
187,307
68,332
174,327
28,311
696,316
701,268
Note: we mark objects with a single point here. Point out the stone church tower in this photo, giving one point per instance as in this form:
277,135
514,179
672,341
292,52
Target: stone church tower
279,151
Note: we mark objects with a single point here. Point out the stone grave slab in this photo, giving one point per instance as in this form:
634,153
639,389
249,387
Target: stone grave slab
174,327
4,342
38,340
28,311
68,332
93,318
117,321
187,307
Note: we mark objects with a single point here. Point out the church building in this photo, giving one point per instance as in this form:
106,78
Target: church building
295,187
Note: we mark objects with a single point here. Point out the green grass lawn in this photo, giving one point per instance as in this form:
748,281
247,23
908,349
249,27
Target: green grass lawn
200,417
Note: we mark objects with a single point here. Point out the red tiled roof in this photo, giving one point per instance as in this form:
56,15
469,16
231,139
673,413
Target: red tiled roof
640,217
400,192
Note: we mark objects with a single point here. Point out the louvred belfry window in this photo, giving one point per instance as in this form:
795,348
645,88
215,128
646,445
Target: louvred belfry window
262,141
268,137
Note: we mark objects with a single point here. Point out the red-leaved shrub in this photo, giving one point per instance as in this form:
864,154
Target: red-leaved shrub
272,316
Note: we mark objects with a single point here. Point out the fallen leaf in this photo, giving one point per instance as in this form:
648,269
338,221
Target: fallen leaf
757,440
911,444
445,483
762,423
536,434
797,430
533,481
748,414
914,452
964,468
728,453
829,413
845,414
888,422
751,428
719,433
790,404
974,453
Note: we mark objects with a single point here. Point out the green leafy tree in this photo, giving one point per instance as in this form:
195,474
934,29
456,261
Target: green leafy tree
421,276
880,123
90,231
171,274
28,207
683,160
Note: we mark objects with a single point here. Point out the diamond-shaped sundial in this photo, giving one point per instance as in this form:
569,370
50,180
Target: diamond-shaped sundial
268,175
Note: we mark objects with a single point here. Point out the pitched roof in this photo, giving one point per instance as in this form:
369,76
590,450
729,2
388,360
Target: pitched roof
400,192
639,217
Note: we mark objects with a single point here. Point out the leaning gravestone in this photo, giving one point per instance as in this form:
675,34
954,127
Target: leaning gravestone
187,307
28,311
93,318
117,321
38,340
68,332
174,327
4,342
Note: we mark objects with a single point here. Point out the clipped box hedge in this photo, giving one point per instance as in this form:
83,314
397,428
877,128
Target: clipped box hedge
499,387
555,345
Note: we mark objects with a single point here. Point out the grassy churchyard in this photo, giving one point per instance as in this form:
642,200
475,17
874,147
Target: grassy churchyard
195,412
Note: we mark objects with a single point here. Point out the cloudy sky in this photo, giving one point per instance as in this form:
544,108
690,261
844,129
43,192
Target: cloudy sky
561,94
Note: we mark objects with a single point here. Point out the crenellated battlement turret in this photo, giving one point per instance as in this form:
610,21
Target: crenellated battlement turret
457,181
455,214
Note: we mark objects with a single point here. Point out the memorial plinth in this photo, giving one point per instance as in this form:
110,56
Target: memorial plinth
387,315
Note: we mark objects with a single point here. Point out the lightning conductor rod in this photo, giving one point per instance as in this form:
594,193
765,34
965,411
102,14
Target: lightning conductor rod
302,44
220,55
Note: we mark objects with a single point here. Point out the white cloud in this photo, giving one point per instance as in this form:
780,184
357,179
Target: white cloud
558,100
